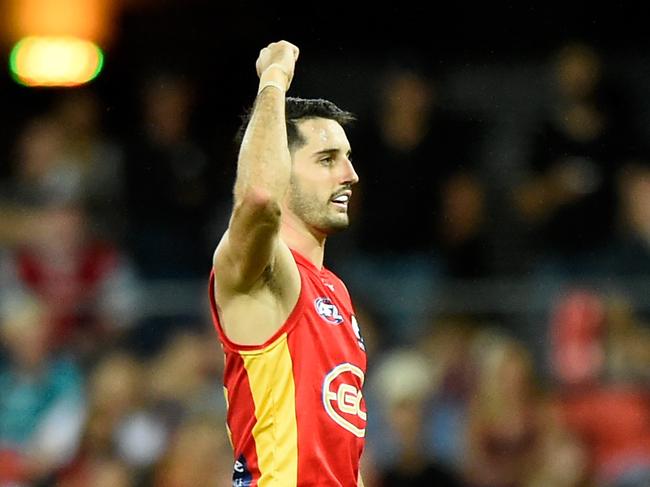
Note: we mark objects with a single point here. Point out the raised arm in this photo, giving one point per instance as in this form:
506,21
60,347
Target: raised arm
263,172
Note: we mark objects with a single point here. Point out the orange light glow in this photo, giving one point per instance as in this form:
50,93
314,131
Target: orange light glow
87,19
55,61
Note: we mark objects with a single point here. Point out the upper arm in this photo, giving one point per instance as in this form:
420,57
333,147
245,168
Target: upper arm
249,247
257,282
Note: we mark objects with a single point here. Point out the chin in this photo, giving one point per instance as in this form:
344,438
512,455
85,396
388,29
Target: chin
336,226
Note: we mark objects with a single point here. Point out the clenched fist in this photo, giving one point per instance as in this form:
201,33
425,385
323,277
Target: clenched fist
275,65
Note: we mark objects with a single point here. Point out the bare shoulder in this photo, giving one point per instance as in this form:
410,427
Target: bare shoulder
251,315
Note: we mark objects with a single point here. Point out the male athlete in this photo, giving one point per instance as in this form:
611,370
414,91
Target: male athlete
295,359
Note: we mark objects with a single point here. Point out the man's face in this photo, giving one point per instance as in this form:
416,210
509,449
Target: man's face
322,177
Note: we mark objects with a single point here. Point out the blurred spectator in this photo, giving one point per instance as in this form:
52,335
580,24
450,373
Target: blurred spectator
97,159
597,351
448,344
628,343
34,178
422,206
41,169
569,202
630,250
86,285
597,339
613,423
103,472
578,338
185,376
116,394
561,460
136,410
199,454
433,202
402,386
64,155
169,184
502,427
42,403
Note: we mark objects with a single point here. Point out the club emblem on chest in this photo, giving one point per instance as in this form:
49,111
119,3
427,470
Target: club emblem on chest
328,311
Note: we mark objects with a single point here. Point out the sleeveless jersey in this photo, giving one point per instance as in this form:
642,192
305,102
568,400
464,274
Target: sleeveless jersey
296,413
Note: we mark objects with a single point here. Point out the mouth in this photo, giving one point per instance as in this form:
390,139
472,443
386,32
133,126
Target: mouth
341,199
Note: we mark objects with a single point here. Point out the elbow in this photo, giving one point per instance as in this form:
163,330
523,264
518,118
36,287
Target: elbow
260,203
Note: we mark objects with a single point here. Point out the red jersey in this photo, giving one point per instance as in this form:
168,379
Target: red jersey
296,414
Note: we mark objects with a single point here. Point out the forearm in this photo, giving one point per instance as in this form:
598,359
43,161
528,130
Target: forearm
264,162
263,175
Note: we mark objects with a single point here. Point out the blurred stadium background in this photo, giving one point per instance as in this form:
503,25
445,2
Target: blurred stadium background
499,256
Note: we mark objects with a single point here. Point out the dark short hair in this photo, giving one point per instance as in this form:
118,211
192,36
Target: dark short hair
298,110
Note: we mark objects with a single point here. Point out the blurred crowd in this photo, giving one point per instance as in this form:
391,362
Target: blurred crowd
96,390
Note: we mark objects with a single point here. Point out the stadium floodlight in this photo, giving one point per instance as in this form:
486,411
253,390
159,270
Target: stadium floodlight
55,61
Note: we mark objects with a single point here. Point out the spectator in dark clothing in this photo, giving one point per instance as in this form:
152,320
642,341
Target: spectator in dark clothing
421,204
434,203
569,202
168,185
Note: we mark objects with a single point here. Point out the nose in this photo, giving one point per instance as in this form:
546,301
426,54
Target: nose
350,175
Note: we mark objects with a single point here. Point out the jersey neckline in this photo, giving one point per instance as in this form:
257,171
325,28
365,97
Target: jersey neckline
305,262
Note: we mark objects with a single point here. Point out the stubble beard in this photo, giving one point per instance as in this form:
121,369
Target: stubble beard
321,216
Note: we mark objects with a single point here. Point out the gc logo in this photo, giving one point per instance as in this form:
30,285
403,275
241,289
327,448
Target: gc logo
341,396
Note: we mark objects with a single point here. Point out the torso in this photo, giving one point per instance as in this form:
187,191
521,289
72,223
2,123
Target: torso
296,412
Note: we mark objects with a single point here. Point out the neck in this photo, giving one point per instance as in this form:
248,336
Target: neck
310,244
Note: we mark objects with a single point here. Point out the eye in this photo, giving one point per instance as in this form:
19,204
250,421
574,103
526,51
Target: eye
326,161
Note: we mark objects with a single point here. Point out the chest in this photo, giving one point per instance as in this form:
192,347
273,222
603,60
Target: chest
328,328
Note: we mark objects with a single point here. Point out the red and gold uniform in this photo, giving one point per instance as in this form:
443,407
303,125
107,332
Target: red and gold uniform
296,413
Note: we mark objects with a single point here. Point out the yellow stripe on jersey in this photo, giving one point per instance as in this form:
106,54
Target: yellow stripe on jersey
225,395
270,375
